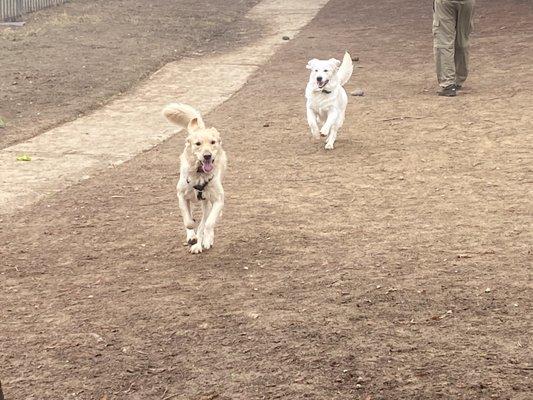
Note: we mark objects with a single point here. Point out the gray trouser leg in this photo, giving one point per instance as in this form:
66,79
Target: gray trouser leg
452,24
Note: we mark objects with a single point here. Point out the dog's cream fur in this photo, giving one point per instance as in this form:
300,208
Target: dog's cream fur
203,160
326,97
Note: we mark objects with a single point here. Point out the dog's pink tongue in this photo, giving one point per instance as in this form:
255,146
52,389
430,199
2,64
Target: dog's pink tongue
207,166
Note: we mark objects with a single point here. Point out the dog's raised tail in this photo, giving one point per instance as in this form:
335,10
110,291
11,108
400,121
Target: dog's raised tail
182,114
346,69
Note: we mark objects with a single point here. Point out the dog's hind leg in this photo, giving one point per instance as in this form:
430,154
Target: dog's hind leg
312,121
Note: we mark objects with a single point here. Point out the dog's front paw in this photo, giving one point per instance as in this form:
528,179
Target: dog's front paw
329,146
191,237
208,239
195,248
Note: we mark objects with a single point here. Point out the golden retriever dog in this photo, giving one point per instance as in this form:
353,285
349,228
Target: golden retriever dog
202,166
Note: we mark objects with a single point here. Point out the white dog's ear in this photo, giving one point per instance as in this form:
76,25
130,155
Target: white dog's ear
193,125
310,63
335,63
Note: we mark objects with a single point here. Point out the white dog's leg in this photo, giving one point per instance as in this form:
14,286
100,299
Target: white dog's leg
333,114
206,209
209,227
191,237
185,208
311,120
196,248
331,138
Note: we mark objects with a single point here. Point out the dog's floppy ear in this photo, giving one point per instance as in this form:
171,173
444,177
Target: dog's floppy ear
335,63
310,63
194,124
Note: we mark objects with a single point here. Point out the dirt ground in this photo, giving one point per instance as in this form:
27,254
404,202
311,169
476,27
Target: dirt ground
71,59
395,267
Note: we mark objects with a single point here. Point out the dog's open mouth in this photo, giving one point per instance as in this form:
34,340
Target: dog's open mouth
322,84
207,166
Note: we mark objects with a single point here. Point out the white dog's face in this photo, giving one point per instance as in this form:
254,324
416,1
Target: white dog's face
203,145
322,71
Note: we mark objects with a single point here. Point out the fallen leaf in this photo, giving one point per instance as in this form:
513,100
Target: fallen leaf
24,157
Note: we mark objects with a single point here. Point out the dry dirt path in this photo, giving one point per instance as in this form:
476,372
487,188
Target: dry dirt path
133,123
394,267
71,59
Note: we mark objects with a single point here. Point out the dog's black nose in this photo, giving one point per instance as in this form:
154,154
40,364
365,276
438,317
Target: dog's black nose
207,157
319,78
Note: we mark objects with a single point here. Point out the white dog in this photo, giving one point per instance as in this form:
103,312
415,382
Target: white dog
202,166
326,97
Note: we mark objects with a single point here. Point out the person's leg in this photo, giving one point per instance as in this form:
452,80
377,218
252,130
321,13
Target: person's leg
444,22
465,16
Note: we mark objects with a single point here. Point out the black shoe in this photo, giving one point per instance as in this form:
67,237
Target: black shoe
448,91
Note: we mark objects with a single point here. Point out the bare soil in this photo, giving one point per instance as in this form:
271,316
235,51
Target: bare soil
397,266
70,59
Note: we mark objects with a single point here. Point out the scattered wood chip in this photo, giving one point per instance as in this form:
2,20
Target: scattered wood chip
97,337
464,256
24,157
16,24
400,118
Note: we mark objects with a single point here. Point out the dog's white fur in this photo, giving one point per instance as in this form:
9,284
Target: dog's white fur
326,108
196,170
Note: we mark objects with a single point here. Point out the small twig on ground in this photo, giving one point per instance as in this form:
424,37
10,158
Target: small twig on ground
513,93
170,397
308,179
127,391
400,118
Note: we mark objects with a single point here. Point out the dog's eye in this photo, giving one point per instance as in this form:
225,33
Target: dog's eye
325,70
213,141
198,143
316,70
